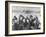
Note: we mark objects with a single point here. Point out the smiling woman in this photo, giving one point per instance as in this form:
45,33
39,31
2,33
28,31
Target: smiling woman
24,18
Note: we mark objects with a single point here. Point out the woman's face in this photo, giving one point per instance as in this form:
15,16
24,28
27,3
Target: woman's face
15,21
24,20
27,21
21,18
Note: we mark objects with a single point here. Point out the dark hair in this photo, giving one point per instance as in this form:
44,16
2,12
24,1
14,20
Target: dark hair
15,17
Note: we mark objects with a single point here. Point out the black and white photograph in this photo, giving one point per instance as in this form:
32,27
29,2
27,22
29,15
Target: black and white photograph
24,18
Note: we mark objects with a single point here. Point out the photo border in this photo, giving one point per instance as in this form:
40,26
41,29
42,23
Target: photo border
6,17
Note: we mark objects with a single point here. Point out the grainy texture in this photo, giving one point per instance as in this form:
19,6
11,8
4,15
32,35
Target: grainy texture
25,18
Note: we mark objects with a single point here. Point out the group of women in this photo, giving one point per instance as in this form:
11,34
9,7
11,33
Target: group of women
26,23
